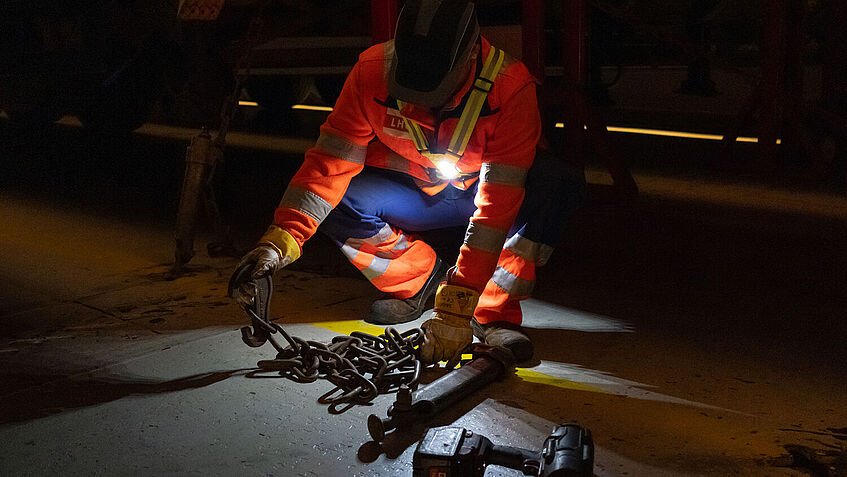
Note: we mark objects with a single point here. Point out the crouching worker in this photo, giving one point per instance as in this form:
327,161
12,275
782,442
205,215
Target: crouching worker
436,128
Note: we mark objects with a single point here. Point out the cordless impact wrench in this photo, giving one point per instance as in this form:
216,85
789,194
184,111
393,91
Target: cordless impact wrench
458,452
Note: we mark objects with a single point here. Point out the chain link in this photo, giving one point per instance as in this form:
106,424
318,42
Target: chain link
361,366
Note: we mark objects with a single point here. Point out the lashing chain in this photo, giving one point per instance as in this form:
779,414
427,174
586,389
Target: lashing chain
361,366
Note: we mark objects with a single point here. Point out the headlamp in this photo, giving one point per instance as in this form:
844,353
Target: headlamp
446,166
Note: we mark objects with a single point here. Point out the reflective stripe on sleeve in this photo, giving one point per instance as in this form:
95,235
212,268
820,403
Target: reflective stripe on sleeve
502,174
306,202
396,162
514,286
483,237
527,249
341,148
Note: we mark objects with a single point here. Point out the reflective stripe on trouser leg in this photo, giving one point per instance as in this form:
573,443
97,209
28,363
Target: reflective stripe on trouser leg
553,192
512,282
392,261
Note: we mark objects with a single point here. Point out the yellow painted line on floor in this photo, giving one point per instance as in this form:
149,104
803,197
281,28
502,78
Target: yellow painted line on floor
346,327
541,378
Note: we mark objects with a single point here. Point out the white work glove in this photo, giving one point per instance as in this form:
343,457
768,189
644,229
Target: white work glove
276,249
448,332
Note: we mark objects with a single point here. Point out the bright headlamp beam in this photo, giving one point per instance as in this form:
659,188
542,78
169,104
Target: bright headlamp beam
447,170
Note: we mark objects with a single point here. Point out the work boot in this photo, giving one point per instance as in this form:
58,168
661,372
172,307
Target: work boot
507,335
391,311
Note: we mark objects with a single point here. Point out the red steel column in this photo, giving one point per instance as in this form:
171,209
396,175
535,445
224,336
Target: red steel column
835,66
574,81
383,19
580,115
575,46
532,37
771,87
834,91
794,138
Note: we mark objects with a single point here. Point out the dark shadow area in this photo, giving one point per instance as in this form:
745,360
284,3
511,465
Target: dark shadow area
704,270
136,178
61,393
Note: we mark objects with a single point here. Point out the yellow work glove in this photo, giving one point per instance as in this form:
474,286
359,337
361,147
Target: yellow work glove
449,332
275,250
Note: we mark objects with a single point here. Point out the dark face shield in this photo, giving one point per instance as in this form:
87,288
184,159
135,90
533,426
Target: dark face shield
434,41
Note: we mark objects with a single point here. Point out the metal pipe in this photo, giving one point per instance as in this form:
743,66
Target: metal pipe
446,390
489,364
198,167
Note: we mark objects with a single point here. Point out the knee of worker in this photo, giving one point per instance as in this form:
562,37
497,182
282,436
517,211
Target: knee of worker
336,227
344,223
551,179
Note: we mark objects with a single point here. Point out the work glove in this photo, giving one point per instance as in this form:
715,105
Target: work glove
448,332
275,250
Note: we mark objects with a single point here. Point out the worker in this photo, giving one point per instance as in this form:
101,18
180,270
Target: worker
436,128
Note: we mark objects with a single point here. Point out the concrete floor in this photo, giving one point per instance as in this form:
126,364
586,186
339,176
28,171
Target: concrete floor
698,331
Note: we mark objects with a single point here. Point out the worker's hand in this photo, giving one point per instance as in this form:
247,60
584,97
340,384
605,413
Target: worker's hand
276,249
262,260
448,332
445,337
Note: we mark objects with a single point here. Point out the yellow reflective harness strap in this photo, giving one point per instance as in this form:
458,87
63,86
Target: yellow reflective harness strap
469,117
418,136
415,133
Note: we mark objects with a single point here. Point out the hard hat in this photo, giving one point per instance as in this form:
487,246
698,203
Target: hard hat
432,45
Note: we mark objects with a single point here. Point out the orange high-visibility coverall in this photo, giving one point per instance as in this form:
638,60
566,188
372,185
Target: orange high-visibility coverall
366,128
